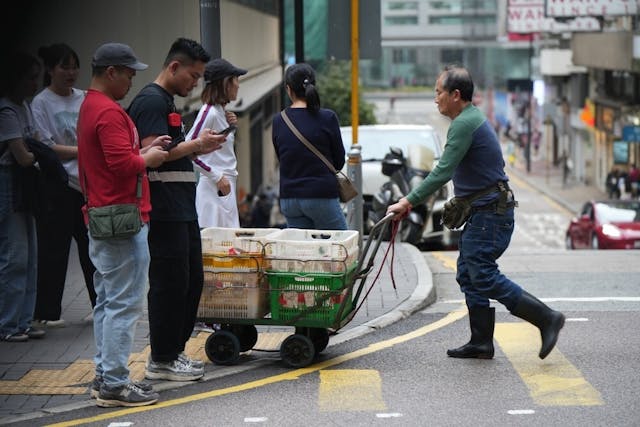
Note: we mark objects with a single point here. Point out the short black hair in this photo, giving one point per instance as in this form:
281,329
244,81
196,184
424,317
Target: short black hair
186,51
56,54
456,77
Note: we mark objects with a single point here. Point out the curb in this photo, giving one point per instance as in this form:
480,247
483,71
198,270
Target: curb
423,295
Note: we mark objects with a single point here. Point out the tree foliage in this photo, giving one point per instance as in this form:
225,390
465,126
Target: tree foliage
334,87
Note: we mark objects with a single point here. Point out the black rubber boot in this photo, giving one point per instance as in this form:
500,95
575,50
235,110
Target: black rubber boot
539,314
482,321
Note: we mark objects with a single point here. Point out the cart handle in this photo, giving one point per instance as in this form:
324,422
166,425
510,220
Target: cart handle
375,235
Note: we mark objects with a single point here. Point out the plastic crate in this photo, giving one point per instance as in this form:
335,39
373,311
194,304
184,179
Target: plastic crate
311,251
310,299
233,295
234,248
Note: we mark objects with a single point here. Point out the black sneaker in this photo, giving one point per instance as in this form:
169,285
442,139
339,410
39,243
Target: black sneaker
94,388
125,395
35,332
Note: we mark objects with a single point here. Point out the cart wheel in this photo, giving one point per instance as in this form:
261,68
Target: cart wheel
247,335
320,338
297,351
222,347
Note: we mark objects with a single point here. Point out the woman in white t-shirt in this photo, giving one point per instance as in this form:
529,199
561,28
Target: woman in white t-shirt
216,200
55,111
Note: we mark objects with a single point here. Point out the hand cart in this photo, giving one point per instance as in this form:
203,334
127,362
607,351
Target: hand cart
258,282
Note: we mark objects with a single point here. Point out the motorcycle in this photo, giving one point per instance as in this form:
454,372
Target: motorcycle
405,174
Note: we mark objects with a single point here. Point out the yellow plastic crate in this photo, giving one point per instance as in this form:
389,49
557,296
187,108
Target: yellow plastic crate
233,248
233,295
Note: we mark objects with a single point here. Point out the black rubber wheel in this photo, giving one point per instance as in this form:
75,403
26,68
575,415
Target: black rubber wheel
297,351
222,347
247,335
320,338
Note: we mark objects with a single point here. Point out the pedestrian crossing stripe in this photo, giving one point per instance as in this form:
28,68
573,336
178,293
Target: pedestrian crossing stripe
553,381
350,390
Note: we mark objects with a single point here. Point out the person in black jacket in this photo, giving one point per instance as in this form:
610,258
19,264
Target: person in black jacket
308,189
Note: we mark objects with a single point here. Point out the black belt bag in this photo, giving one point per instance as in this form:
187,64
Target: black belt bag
458,210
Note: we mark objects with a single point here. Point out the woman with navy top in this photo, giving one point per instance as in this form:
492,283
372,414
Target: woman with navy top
308,189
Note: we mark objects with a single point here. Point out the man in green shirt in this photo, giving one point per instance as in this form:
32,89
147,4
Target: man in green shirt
472,158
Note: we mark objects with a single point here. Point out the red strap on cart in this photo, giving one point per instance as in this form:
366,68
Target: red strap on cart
395,226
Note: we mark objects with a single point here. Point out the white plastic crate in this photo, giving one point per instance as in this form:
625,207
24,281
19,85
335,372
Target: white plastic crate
234,241
319,251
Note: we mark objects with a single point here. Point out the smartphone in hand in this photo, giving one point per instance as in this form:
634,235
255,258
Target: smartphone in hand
227,131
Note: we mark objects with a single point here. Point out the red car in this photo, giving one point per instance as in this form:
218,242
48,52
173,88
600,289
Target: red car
609,224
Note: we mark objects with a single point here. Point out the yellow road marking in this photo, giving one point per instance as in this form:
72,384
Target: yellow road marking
553,381
350,390
447,259
288,376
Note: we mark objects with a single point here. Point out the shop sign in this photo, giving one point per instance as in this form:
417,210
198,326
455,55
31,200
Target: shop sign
572,8
605,118
631,133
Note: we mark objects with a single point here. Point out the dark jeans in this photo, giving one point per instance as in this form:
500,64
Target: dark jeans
175,285
484,239
62,222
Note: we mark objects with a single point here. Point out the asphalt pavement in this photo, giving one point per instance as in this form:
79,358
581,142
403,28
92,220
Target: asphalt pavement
51,375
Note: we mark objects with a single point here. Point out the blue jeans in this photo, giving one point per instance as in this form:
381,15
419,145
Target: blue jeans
120,280
318,214
484,239
18,262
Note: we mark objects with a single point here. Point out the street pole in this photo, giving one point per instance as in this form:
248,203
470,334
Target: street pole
527,149
354,161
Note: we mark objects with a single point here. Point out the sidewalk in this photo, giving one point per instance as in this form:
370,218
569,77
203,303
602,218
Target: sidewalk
52,374
548,180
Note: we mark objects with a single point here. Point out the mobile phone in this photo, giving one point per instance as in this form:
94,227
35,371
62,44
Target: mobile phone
228,130
173,143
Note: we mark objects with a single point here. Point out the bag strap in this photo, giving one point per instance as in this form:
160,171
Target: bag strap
306,142
138,188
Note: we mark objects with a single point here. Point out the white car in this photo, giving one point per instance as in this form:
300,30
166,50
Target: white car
375,141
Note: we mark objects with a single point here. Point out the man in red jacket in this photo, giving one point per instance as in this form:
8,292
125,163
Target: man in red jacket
111,166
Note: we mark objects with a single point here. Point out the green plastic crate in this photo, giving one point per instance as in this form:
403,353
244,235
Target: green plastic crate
310,299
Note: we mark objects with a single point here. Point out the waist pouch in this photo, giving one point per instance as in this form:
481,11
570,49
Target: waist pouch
458,210
114,221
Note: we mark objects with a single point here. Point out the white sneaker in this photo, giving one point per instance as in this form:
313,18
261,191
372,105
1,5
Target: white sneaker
203,327
60,323
196,363
176,370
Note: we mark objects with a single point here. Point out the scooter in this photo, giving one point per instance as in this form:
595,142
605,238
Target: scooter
405,174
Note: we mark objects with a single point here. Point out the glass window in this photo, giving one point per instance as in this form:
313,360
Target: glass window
375,142
401,20
402,5
621,211
462,19
402,56
451,56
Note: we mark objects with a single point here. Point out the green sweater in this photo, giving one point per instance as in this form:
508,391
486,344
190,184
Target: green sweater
472,157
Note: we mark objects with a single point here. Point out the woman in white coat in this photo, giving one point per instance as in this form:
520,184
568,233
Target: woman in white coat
216,200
